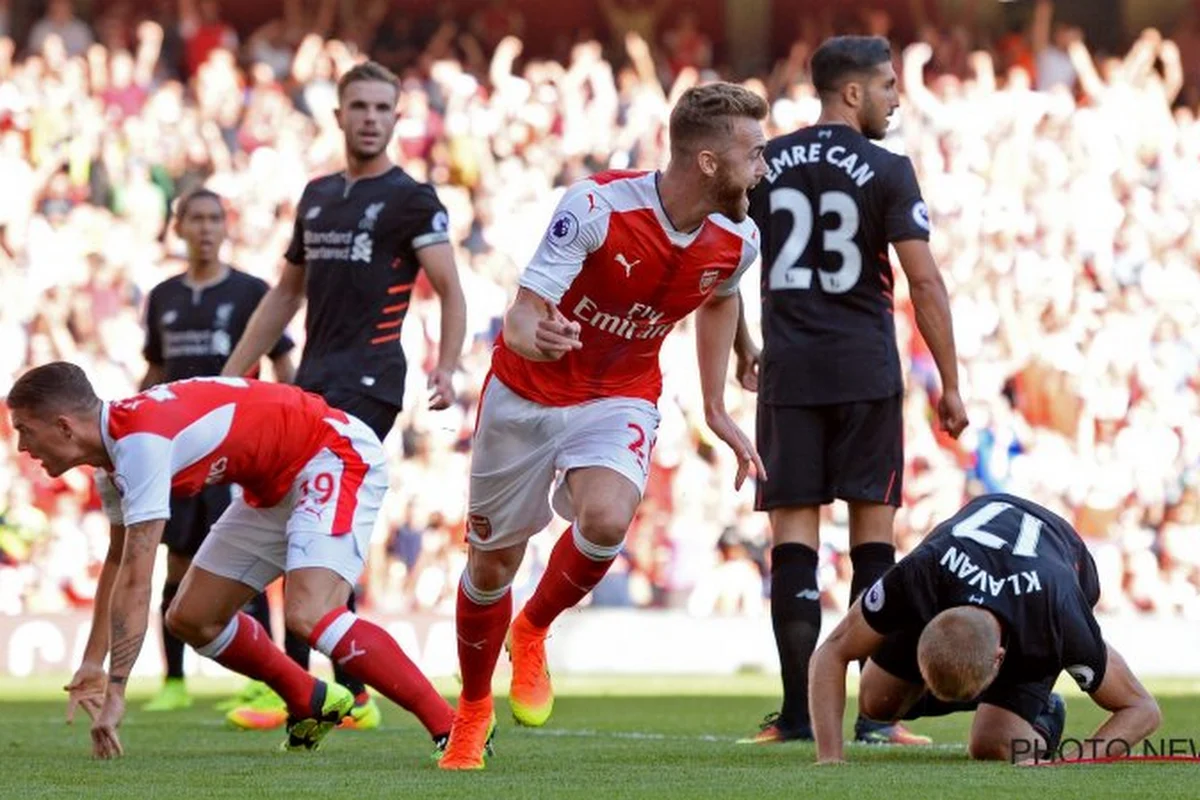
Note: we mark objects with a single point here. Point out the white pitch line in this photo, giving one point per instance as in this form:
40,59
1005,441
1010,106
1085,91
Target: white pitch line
587,733
641,736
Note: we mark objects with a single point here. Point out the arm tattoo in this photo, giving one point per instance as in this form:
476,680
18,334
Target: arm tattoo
130,604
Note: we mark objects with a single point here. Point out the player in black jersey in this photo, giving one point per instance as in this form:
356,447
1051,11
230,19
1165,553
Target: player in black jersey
193,321
983,615
361,238
830,388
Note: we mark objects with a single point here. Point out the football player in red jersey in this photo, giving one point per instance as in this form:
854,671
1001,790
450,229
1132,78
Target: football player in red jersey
312,480
571,401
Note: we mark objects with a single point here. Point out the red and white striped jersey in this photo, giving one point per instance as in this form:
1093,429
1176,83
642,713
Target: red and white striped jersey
612,261
177,438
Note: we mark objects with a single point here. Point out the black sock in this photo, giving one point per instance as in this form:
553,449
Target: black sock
172,647
929,706
796,620
260,609
870,562
355,686
297,649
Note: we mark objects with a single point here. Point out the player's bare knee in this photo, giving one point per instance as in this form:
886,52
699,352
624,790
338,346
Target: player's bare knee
302,617
491,570
987,748
878,706
603,524
188,627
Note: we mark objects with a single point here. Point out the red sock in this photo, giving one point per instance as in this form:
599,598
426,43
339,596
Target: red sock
569,576
366,652
251,652
481,631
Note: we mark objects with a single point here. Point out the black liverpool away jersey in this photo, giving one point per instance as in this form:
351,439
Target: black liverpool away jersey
1022,562
358,243
829,205
190,331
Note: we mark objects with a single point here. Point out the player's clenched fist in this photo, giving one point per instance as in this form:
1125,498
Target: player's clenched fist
556,336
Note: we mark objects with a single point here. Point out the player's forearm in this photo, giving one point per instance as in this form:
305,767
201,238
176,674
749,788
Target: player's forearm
932,305
743,343
127,622
1129,725
96,649
454,329
266,325
130,605
716,328
827,702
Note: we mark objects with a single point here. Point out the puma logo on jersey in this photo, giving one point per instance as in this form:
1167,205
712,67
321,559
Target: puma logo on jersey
626,264
216,472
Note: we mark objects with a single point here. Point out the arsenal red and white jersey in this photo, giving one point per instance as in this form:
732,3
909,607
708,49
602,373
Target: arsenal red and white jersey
177,438
612,261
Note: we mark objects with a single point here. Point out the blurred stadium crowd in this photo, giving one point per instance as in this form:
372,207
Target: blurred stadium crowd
1063,187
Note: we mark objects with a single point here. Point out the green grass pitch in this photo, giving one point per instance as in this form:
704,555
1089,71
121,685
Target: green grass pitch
609,738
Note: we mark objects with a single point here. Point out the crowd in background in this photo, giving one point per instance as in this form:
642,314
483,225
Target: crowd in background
1063,186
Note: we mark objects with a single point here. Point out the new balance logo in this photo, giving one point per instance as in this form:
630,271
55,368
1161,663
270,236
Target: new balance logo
809,594
620,257
354,653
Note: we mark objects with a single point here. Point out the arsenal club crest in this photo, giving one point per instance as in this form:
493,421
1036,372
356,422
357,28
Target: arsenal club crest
708,279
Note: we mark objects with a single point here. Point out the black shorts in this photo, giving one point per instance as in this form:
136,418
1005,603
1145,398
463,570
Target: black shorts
191,517
814,454
898,656
378,415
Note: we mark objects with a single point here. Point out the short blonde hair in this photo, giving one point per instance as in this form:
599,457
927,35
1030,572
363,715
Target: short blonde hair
707,112
957,653
368,71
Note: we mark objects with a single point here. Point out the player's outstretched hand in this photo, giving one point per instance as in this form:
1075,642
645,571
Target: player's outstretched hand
749,464
105,743
86,690
441,389
952,413
556,336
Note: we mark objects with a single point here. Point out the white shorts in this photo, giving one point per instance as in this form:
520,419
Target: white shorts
522,449
325,520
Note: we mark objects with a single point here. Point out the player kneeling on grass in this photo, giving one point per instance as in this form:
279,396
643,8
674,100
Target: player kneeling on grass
312,481
983,615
